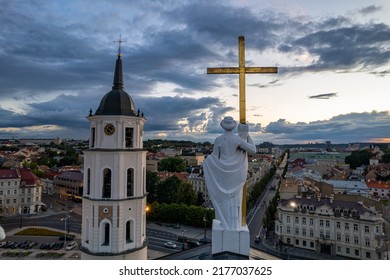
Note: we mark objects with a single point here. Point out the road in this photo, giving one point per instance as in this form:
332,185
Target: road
255,218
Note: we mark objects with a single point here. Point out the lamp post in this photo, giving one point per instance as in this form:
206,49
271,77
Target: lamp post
204,221
182,248
66,223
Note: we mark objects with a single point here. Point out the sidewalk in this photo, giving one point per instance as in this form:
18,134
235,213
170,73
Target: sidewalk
291,252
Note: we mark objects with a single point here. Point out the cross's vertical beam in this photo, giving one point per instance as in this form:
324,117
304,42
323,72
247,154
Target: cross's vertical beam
241,69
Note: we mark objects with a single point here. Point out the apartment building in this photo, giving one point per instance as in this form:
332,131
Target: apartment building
343,228
20,192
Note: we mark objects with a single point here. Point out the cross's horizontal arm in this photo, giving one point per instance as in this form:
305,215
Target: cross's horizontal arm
248,70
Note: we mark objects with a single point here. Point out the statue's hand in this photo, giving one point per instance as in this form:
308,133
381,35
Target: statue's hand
243,130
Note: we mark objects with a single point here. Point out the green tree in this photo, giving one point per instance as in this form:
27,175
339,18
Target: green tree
166,189
185,194
152,181
386,157
358,158
172,164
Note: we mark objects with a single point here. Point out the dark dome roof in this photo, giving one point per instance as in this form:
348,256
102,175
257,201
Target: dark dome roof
116,102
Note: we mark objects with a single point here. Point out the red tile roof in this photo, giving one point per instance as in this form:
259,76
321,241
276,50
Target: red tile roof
378,184
8,174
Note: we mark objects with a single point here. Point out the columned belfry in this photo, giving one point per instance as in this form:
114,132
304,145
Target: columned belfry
114,199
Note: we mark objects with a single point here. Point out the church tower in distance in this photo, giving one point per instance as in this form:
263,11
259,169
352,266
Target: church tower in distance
114,198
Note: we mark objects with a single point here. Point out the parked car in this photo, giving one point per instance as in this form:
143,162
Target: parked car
68,237
58,245
170,244
182,239
205,240
45,245
71,246
193,243
2,243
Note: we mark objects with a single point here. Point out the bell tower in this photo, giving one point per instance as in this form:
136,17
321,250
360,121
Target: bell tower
114,198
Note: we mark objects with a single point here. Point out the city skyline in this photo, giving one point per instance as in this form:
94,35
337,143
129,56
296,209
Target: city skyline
57,62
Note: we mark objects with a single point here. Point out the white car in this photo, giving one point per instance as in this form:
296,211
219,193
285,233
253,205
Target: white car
170,244
71,245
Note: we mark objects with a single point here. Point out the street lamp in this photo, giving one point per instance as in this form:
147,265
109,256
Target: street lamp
66,223
204,220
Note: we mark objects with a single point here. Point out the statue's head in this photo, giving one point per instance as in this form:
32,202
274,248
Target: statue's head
228,124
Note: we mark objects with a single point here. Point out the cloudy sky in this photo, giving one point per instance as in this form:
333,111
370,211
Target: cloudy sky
57,61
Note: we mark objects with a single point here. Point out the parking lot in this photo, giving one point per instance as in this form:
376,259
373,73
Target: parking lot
38,247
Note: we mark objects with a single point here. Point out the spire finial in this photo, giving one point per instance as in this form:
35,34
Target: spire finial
119,41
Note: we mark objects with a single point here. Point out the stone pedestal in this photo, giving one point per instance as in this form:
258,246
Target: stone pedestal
235,241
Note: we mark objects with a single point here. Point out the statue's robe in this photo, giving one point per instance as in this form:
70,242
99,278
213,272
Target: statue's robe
225,173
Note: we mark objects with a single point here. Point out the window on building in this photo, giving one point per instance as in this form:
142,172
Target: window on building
356,240
337,224
16,183
22,199
14,200
311,222
297,220
366,229
129,132
8,192
288,230
106,183
311,244
347,250
355,227
303,221
327,223
2,183
347,239
368,242
130,182
304,232
88,181
1,192
346,226
338,236
304,243
327,235
368,255
106,237
288,241
322,234
338,249
321,223
311,233
296,241
357,253
93,137
9,183
7,201
15,191
129,231
297,231
288,219
28,199
1,201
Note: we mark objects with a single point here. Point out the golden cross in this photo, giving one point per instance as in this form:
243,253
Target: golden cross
242,70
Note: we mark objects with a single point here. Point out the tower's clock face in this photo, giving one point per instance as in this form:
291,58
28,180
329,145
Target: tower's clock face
109,129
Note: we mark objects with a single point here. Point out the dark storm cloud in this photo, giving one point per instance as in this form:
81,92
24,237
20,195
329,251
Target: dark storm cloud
165,113
323,96
350,48
341,128
75,54
370,9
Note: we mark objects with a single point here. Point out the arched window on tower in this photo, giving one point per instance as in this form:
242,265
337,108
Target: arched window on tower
106,183
129,231
129,132
88,181
130,182
106,237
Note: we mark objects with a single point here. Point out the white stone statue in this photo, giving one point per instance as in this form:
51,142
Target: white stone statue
226,172
2,233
